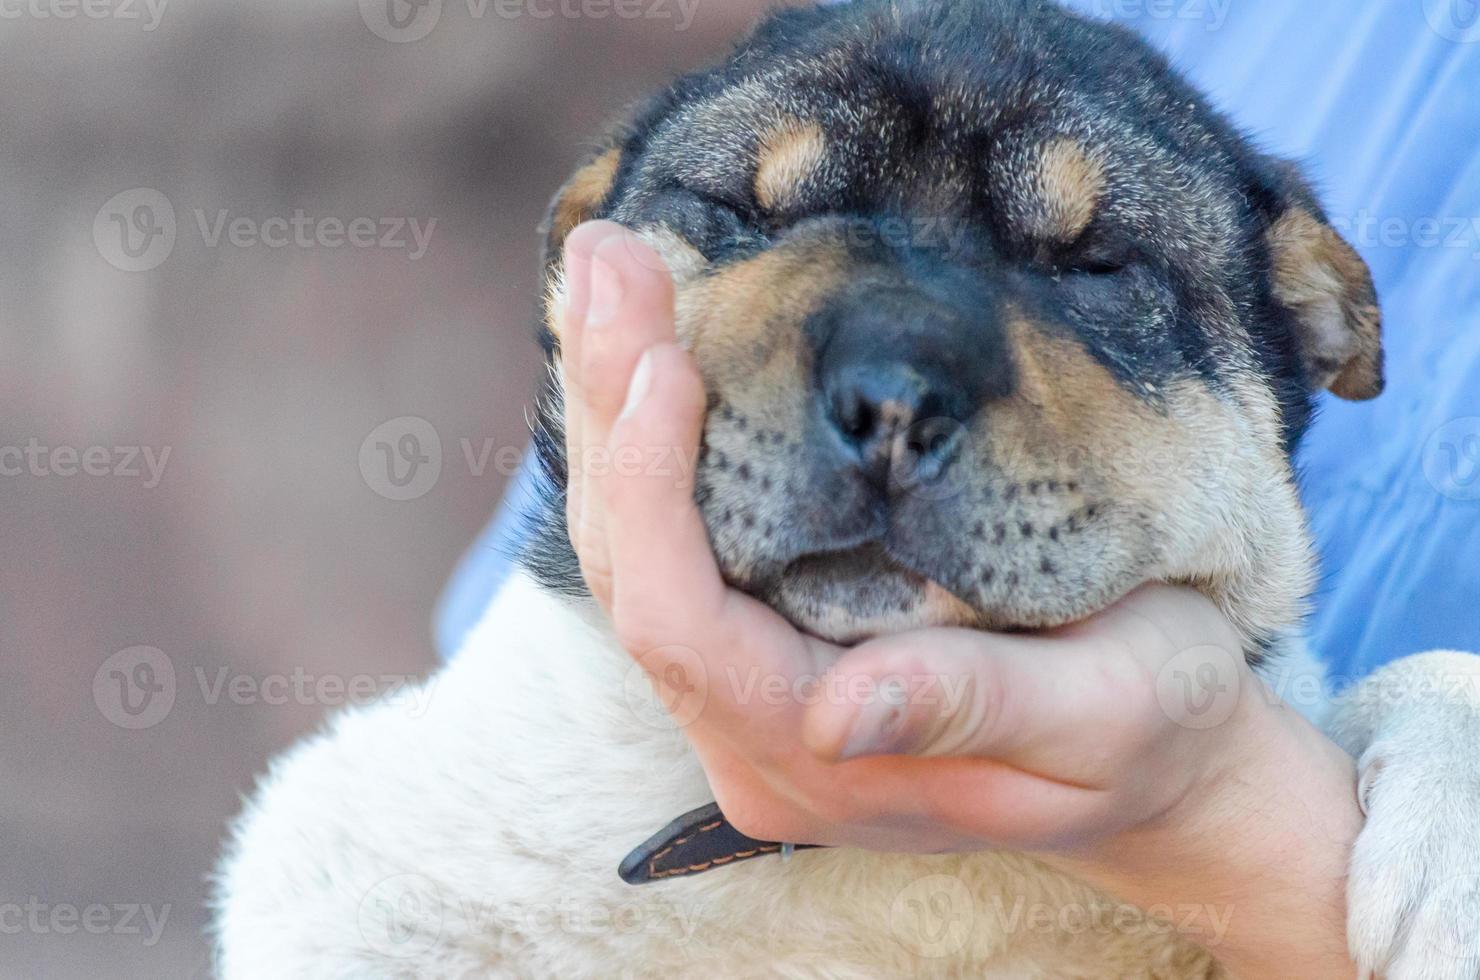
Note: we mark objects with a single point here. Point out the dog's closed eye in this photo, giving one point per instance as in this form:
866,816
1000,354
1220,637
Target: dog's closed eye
709,223
1098,259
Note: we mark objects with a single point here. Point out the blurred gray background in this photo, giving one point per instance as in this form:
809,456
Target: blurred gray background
256,562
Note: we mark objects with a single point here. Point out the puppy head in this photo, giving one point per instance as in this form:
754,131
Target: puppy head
998,320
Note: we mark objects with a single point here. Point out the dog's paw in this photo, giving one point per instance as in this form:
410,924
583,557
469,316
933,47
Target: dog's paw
1414,889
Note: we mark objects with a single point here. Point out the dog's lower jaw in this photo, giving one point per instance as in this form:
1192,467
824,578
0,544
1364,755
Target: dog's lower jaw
481,839
837,620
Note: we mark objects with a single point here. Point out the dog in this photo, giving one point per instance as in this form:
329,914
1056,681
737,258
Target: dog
999,319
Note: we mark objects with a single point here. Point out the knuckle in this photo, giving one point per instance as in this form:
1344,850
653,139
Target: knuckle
973,713
985,694
604,381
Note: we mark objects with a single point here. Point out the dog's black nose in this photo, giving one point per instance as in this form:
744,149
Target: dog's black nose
899,376
893,417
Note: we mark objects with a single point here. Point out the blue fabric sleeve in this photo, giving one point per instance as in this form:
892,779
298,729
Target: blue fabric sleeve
1379,100
487,564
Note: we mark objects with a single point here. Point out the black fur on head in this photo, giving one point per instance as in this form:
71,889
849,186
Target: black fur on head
998,317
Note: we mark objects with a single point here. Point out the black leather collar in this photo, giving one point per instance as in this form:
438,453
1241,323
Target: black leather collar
698,841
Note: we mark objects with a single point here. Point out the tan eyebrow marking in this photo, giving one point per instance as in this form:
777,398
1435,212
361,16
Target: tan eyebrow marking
1071,185
789,154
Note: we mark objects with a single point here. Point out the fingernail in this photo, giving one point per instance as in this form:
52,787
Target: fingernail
879,727
607,290
642,380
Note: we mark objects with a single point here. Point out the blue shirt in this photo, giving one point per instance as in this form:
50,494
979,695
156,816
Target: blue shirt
1380,99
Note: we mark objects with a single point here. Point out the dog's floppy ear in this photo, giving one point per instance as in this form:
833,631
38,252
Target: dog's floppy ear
580,199
1327,288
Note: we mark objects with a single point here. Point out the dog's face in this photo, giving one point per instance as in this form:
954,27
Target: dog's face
997,317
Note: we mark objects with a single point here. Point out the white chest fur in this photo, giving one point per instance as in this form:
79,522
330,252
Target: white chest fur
475,831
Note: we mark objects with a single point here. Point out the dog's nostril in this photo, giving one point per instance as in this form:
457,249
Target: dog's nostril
927,440
931,446
890,418
854,416
871,406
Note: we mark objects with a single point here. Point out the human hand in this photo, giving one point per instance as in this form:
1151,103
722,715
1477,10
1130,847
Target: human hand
1070,743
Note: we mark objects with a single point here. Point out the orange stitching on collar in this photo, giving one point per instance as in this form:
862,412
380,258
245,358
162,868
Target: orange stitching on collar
653,871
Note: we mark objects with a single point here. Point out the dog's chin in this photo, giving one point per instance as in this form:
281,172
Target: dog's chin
857,595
